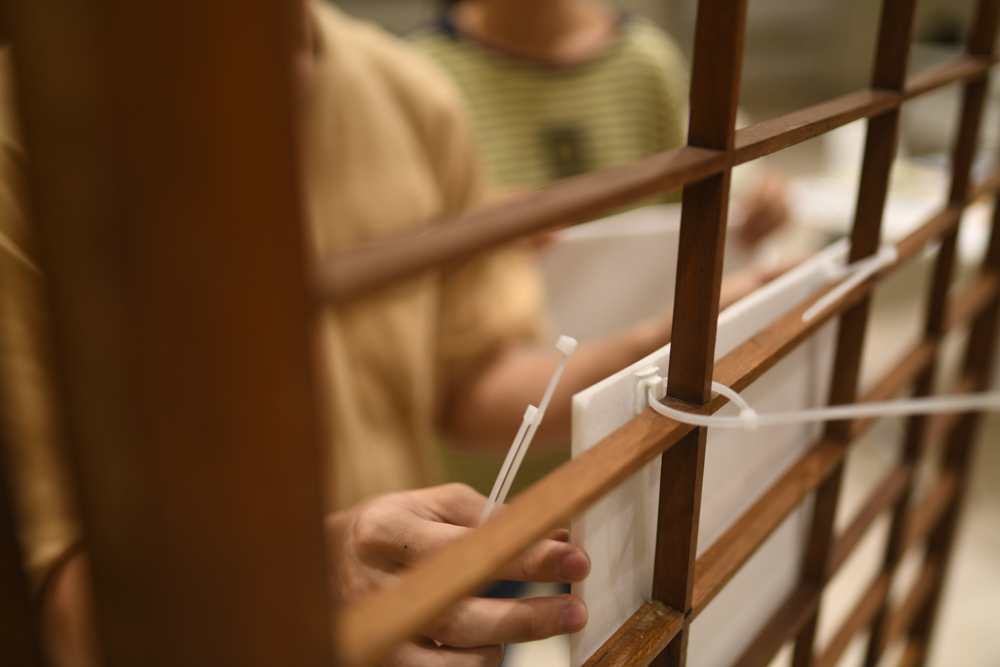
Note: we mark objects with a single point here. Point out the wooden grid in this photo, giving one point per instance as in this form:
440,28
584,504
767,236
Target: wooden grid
683,586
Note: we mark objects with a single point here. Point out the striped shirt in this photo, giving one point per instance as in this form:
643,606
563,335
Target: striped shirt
537,124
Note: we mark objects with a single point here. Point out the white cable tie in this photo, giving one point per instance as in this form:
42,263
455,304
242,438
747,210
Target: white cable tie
749,419
722,389
532,419
529,417
566,345
748,416
856,273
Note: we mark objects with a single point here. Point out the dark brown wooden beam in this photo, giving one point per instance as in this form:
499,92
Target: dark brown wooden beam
163,181
715,93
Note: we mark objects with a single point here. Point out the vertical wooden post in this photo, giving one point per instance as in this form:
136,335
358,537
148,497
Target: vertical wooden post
896,29
163,177
982,39
714,98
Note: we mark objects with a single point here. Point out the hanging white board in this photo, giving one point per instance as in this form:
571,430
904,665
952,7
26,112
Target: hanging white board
619,531
608,274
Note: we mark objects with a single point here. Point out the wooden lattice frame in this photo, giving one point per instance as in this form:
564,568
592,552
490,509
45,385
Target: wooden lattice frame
683,586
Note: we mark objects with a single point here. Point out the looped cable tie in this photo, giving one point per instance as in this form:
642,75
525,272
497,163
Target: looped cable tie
853,275
749,419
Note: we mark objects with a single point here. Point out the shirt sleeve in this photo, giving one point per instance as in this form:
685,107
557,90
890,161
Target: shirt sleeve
495,299
489,304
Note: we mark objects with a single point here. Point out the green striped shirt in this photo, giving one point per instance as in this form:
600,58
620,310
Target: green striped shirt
537,124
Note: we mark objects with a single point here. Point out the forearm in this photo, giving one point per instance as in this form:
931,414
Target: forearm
486,412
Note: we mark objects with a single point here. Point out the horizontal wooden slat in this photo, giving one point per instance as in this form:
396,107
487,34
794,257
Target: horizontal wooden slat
903,615
356,272
925,515
786,621
963,68
773,135
367,630
977,295
720,562
860,617
887,492
641,638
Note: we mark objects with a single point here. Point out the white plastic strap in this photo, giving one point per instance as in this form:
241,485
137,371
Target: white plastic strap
750,419
532,418
529,417
856,274
748,416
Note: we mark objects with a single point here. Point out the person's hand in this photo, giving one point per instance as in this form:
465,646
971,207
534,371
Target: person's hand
376,540
765,209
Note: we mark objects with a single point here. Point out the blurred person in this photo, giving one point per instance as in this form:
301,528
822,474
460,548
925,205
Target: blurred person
386,148
558,88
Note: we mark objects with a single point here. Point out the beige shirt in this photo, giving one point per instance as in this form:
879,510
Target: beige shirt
387,150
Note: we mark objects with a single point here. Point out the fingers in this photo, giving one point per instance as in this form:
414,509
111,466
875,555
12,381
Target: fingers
412,543
457,504
482,621
428,654
549,560
438,517
400,528
559,535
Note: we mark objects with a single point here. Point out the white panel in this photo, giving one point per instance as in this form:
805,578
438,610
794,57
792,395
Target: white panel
608,274
619,531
